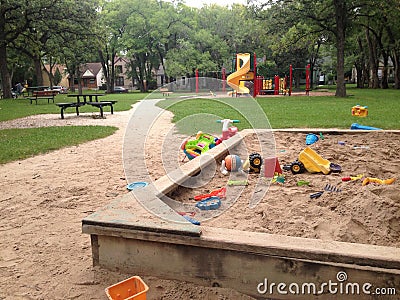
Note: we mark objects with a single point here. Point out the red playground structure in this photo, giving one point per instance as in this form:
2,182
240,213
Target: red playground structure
246,81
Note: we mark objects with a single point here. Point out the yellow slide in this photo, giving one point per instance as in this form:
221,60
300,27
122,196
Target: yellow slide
234,79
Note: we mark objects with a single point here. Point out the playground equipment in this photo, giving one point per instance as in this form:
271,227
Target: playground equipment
359,111
245,80
309,160
201,144
237,79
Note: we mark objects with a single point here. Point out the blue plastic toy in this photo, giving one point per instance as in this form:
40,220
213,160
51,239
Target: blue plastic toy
209,203
191,220
136,185
311,138
356,126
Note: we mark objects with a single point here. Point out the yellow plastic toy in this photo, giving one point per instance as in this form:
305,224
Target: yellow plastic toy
312,162
359,111
378,181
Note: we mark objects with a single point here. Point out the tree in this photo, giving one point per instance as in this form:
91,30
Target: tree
328,18
57,77
15,19
379,20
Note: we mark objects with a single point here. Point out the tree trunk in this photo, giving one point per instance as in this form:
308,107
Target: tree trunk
396,61
360,77
374,80
38,71
5,75
106,69
385,75
395,56
340,15
50,73
360,65
112,79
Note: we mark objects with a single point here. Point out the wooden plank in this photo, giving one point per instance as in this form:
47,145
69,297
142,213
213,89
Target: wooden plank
271,244
254,274
127,213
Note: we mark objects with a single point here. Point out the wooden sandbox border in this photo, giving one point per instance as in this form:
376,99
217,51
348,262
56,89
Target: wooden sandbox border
252,263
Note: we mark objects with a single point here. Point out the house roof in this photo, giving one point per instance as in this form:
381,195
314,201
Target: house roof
91,70
61,68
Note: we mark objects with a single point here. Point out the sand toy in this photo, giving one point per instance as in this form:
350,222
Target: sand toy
359,111
131,288
221,193
378,181
309,160
356,126
201,144
209,203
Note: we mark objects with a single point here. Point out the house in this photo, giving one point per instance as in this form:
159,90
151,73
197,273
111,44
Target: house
63,71
92,75
121,70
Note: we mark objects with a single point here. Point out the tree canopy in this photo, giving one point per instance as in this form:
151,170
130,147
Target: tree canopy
333,36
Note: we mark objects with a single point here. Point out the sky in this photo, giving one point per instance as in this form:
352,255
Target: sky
200,3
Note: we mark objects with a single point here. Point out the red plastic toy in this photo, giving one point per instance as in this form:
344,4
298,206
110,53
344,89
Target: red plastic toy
221,193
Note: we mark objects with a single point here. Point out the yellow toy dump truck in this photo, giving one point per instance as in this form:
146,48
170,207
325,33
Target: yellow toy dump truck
309,160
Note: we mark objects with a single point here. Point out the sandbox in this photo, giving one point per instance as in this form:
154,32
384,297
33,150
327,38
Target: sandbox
268,249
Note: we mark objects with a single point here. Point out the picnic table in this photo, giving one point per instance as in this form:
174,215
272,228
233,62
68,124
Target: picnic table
40,95
86,97
31,89
87,100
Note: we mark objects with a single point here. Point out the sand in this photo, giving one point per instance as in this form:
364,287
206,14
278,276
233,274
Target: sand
351,212
44,255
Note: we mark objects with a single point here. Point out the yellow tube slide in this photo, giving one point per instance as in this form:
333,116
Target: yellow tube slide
233,79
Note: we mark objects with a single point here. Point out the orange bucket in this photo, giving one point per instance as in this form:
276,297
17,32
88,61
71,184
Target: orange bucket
132,288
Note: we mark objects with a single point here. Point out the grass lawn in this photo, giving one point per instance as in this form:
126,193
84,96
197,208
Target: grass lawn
201,114
16,144
18,108
298,112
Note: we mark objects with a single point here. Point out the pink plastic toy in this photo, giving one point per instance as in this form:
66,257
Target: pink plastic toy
227,131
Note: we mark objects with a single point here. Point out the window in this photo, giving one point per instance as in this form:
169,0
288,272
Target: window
118,69
119,81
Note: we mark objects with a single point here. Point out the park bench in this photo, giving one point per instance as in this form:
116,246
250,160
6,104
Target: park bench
101,104
64,106
165,92
40,95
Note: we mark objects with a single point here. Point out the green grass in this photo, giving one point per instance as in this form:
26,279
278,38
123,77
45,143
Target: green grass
16,144
201,114
17,108
295,112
